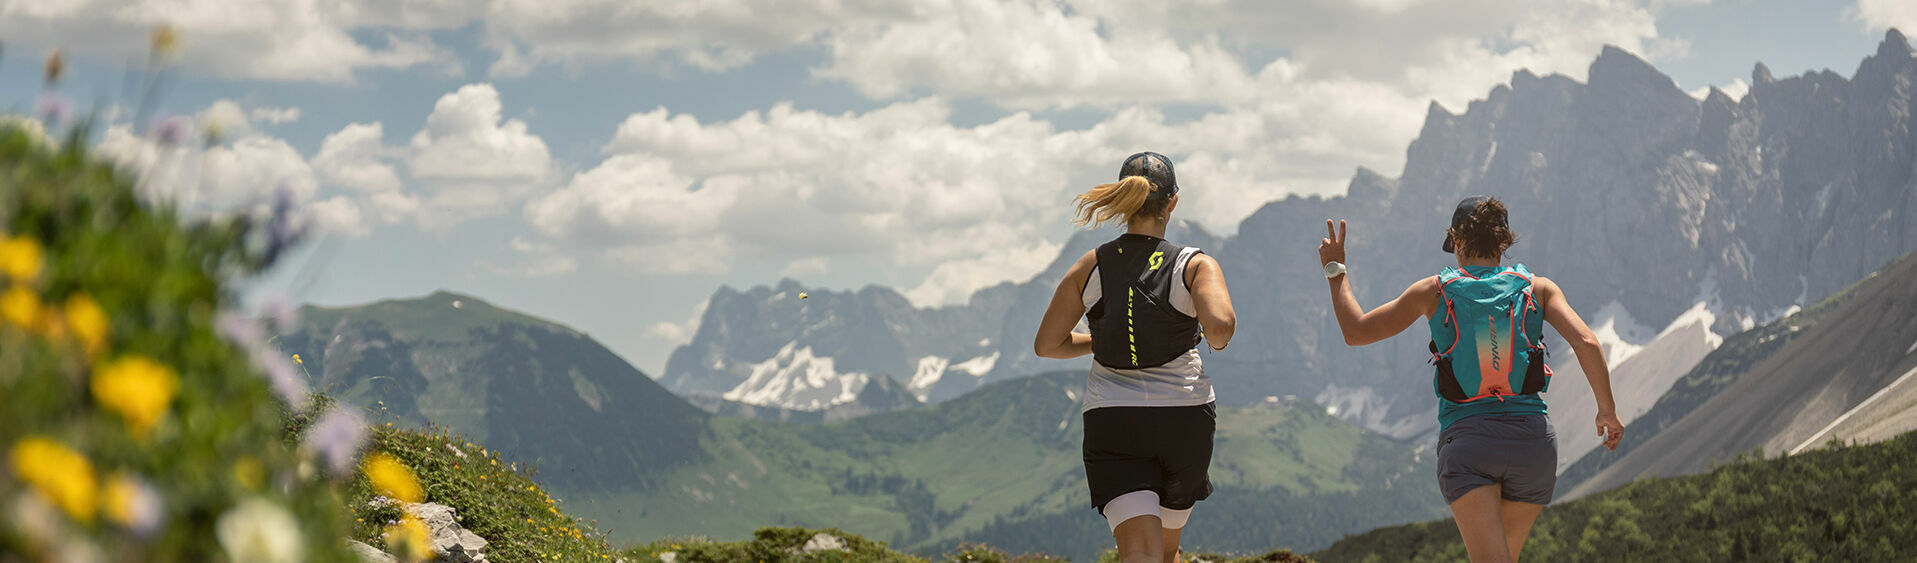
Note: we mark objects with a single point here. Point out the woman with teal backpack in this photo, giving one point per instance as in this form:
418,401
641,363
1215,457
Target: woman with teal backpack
1497,453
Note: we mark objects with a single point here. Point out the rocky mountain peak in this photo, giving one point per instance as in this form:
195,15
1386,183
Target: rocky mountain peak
1894,45
1619,68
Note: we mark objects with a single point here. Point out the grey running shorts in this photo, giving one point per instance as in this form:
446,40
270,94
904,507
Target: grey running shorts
1166,450
1517,451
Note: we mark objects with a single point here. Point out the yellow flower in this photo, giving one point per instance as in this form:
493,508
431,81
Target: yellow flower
296,359
249,473
20,258
138,388
166,41
408,539
20,307
131,503
60,474
87,321
392,478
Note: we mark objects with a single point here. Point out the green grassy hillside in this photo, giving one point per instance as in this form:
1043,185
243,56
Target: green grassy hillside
548,395
1001,466
1856,503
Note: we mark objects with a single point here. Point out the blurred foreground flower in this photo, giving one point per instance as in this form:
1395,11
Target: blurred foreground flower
58,473
246,333
408,539
337,437
20,258
166,41
20,308
250,473
138,388
259,531
88,322
56,66
170,130
130,502
392,478
54,108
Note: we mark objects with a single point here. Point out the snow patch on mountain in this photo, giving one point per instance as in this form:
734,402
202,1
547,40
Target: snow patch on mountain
979,366
794,378
931,369
1620,333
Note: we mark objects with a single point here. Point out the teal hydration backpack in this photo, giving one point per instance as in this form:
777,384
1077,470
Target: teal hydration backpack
1488,340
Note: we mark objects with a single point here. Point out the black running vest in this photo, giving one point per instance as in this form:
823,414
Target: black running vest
1134,324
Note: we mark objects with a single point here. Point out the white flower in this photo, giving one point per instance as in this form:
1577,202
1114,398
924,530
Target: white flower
258,530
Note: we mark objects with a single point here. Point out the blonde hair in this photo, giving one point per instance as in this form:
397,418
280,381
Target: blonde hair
1121,200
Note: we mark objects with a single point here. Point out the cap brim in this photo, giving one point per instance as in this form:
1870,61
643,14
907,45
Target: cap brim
1447,244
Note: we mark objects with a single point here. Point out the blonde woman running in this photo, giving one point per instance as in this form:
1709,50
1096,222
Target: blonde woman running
1148,409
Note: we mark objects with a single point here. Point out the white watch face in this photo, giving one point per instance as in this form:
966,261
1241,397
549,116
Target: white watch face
1332,269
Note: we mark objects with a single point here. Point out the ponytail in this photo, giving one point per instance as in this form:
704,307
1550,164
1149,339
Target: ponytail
1127,198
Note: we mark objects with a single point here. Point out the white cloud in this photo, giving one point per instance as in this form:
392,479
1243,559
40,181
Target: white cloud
1735,89
533,259
680,332
293,40
1879,15
247,170
355,158
709,35
466,163
274,115
464,139
805,267
338,215
954,281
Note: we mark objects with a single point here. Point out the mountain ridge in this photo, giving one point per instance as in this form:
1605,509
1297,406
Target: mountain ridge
1635,197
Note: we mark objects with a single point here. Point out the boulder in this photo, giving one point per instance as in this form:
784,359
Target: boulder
453,543
369,554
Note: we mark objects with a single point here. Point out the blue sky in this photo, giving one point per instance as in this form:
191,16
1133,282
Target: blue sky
610,164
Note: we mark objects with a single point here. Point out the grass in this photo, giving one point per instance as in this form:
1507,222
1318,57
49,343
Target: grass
496,500
1842,503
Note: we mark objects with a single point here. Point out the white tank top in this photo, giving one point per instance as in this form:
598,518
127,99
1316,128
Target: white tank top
1178,383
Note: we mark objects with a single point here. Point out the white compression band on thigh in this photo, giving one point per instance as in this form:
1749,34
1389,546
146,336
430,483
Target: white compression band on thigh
1130,505
1173,519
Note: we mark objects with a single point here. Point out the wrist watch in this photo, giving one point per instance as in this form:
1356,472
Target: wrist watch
1333,269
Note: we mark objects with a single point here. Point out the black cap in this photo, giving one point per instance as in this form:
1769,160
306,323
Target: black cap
1463,213
1154,167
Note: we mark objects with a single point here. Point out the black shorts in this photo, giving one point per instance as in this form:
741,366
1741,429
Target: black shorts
1516,451
1166,450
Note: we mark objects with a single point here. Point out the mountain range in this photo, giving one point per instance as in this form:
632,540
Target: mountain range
1000,464
1648,207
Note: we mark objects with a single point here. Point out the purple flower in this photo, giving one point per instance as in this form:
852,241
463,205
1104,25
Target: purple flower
54,108
337,437
240,330
169,130
284,227
286,379
281,311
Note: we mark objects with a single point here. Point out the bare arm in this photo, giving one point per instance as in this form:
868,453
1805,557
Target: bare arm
1055,338
1213,301
1360,327
1558,312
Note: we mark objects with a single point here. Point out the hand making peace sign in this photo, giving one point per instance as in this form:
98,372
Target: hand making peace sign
1332,248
